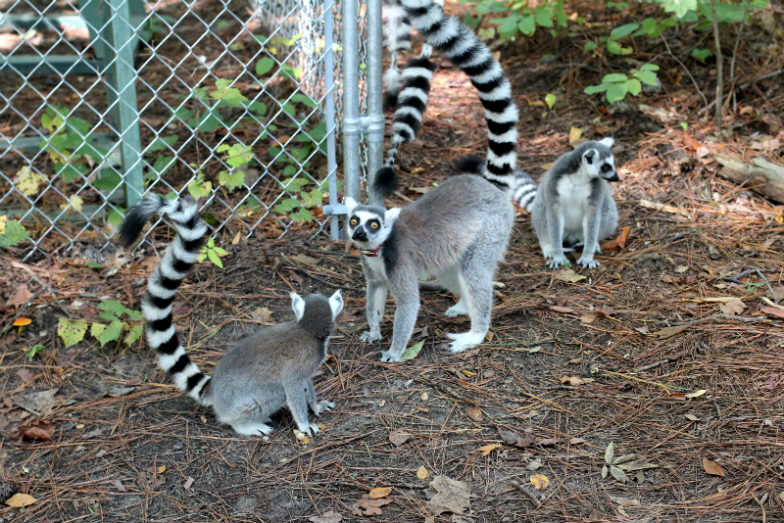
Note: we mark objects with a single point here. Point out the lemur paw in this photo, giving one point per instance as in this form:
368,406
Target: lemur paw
309,429
370,336
252,429
324,406
556,261
589,263
464,341
387,356
458,309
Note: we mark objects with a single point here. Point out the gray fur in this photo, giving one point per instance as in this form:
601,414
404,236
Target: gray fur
274,367
457,233
574,203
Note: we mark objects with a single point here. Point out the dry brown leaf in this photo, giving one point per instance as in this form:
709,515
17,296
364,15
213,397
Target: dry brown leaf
575,133
712,468
574,380
518,440
379,492
734,306
20,500
263,315
422,472
568,275
474,413
587,317
539,481
666,332
619,242
369,507
398,437
20,297
490,447
450,495
38,431
772,311
326,517
565,310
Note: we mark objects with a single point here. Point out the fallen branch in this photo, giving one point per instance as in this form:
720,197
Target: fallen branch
762,176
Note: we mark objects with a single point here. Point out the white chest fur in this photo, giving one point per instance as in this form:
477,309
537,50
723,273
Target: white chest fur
573,194
374,267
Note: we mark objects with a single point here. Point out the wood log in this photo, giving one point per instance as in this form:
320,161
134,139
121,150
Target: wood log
760,175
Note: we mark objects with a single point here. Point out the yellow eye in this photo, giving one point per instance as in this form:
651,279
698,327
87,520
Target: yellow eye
354,221
374,225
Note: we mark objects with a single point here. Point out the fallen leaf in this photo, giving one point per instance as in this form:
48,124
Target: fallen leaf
535,464
413,351
619,242
20,297
587,317
565,310
369,507
575,133
487,449
772,311
398,437
618,474
161,469
306,260
379,492
28,181
666,332
422,472
695,394
568,275
539,481
712,468
474,413
36,402
732,307
574,380
38,431
188,483
518,440
20,500
450,495
326,517
263,315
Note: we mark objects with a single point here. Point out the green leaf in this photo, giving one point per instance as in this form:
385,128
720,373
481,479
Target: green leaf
544,16
113,307
594,89
701,54
305,100
71,331
112,332
616,92
680,7
614,78
286,206
623,31
214,258
162,143
96,329
301,215
230,95
134,333
260,108
11,232
633,86
549,99
615,48
413,351
35,350
647,77
232,181
590,46
199,188
527,25
312,198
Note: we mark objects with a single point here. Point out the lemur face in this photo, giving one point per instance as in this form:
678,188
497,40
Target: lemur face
368,226
600,163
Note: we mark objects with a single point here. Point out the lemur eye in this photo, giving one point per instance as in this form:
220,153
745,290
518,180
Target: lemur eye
606,168
354,221
374,225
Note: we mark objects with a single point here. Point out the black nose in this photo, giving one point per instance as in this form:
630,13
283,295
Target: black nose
359,235
613,178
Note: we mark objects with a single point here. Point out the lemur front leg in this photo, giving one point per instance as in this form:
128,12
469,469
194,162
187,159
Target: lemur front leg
555,229
375,301
407,309
591,237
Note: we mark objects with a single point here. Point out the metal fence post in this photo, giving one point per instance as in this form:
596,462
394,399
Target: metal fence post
329,114
351,123
375,120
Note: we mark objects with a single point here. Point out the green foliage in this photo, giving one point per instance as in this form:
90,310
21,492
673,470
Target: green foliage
118,319
413,351
550,100
11,232
33,352
617,85
213,253
521,18
68,144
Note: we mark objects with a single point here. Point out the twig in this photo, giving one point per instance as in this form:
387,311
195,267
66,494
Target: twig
761,78
719,65
696,85
732,64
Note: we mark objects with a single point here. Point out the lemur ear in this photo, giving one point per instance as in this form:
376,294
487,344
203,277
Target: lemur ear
350,203
336,303
390,215
609,141
298,304
588,155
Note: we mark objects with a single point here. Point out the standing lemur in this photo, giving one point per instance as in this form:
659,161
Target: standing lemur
459,231
573,205
265,371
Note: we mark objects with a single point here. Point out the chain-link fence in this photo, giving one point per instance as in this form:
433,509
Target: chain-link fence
105,100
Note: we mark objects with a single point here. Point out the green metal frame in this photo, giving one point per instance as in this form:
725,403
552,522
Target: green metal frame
114,26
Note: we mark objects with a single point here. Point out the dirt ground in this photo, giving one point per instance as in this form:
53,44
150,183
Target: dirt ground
672,350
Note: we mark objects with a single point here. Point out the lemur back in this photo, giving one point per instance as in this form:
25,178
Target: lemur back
266,370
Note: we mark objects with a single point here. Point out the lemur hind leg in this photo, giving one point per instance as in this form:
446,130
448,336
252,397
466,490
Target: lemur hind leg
450,280
476,278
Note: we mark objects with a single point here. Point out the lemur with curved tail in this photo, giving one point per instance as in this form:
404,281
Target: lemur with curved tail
457,232
573,205
463,48
265,371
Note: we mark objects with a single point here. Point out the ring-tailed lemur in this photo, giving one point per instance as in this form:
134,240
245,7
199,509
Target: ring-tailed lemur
265,371
397,37
462,47
457,232
573,205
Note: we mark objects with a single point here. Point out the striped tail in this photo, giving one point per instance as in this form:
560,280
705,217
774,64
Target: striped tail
397,37
462,47
408,115
522,189
162,286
